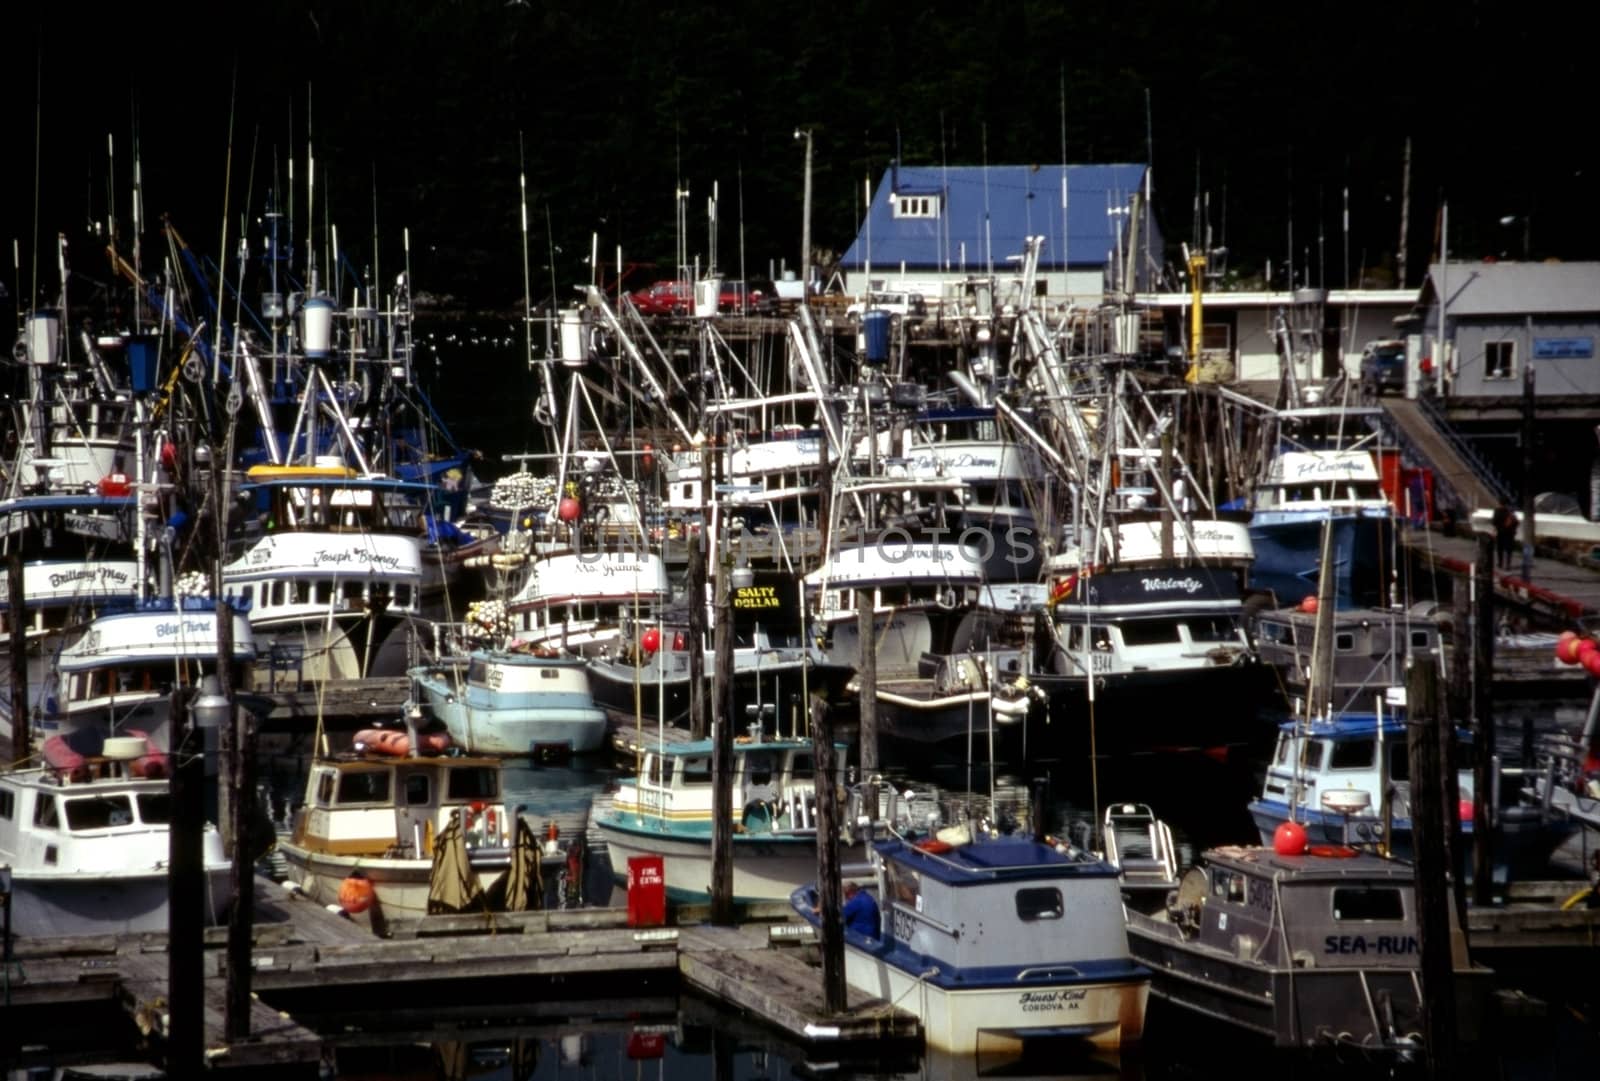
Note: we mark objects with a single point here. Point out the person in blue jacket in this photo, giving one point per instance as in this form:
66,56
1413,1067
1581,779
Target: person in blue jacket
860,911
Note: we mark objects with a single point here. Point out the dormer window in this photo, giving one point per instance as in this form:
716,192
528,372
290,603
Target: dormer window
915,206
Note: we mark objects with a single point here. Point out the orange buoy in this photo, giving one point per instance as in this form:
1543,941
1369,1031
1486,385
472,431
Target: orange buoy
356,893
1308,604
1289,839
1338,852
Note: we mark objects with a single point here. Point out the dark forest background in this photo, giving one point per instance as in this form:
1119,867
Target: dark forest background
1263,114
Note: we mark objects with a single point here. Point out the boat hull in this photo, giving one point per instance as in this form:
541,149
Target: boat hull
401,885
1183,708
764,868
983,1021
49,905
1304,1008
525,725
1288,549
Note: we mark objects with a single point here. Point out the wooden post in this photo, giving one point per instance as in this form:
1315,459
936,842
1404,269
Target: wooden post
241,878
1483,736
695,587
722,721
1530,435
17,617
186,889
1432,872
833,982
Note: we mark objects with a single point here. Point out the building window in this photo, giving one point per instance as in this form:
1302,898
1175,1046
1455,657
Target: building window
916,206
1499,360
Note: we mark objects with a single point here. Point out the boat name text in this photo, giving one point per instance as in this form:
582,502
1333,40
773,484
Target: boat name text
1050,1001
1393,945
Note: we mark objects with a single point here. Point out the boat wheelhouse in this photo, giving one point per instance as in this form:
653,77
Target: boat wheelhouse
1170,638
996,942
1322,471
121,671
89,847
1317,949
578,602
387,815
1370,647
334,570
666,810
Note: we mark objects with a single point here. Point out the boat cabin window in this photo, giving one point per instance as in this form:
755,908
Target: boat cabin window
1276,632
1149,632
1039,903
1213,629
8,804
1353,754
364,786
695,769
325,789
902,885
1368,903
478,672
1344,641
1311,754
98,812
1228,885
44,813
652,773
468,784
418,790
1419,640
1400,762
155,808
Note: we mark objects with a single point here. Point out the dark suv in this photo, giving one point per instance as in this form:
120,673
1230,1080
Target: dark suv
1383,367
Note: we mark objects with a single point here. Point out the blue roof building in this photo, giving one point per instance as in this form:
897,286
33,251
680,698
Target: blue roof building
929,227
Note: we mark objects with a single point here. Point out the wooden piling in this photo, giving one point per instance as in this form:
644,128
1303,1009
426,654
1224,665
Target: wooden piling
828,900
722,723
1432,870
186,892
1483,737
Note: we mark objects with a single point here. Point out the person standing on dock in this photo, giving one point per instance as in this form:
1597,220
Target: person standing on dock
1505,534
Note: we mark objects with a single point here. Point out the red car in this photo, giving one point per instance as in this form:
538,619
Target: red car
664,298
742,299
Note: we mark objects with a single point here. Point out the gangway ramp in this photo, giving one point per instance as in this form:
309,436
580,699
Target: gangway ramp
1451,469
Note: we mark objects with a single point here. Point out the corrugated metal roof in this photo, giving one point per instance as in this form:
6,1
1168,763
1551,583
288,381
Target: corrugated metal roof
988,210
1515,288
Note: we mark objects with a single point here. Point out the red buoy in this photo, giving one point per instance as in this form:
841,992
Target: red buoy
356,893
1464,811
569,509
651,640
1308,604
1289,839
1591,661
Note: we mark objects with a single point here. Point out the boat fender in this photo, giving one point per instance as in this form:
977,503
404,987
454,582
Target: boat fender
356,893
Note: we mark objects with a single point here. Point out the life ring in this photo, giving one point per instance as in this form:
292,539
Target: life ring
1338,852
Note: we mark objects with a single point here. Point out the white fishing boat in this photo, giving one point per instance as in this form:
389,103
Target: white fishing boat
666,811
996,942
387,816
578,601
88,845
334,569
119,674
532,703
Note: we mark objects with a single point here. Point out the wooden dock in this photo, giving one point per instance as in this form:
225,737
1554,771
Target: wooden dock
1559,590
308,960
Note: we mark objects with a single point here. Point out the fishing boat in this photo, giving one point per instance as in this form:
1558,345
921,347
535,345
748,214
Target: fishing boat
1312,947
390,820
1370,647
119,674
666,810
578,602
1166,644
513,702
996,942
332,568
88,842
